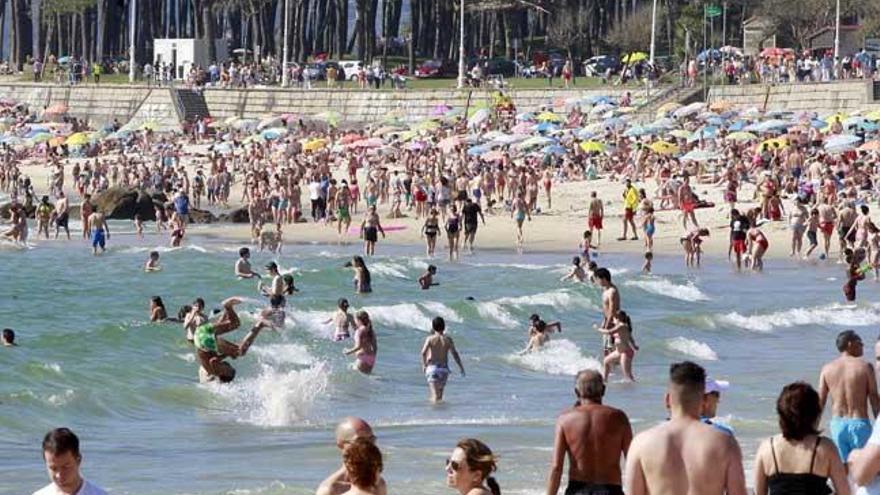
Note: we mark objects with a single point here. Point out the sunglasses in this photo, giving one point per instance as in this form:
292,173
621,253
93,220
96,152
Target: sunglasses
453,466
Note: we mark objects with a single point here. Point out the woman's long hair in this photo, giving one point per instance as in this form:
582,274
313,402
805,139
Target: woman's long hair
480,458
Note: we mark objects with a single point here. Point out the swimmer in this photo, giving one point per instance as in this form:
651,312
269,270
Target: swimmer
435,358
362,280
8,338
365,344
152,264
100,231
539,333
342,320
577,271
157,310
624,346
243,265
212,350
426,281
649,259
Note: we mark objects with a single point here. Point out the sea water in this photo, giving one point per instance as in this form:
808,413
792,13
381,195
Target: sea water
90,360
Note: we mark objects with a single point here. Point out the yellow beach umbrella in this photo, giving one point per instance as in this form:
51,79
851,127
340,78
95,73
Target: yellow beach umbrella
663,148
838,117
741,136
631,58
681,133
548,117
775,143
314,144
596,146
875,115
78,139
667,108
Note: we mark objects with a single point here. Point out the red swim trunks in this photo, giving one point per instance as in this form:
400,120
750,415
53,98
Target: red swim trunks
739,246
688,206
827,227
595,222
628,213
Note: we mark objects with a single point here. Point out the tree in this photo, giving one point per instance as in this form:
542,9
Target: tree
634,34
812,15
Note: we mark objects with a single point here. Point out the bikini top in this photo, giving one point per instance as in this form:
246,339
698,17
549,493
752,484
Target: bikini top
797,483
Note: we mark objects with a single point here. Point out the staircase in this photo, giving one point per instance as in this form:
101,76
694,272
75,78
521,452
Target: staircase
190,104
682,95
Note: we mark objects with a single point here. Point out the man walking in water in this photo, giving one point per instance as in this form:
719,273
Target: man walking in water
435,358
684,455
349,430
594,436
852,385
470,211
100,231
62,215
610,305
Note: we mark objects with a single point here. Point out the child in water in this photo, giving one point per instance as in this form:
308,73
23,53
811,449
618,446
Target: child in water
342,320
649,257
577,271
152,264
427,278
855,272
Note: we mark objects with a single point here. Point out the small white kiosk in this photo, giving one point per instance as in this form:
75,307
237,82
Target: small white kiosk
183,53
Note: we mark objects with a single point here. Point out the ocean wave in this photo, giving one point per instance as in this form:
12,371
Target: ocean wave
401,315
440,309
521,266
693,348
276,398
487,421
313,322
835,314
559,299
55,367
663,287
281,354
495,312
61,399
388,270
557,357
163,249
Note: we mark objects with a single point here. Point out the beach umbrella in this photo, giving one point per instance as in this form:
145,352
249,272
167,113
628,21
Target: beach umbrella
868,126
730,50
426,125
256,138
331,117
447,144
555,149
600,109
600,100
493,156
837,117
741,136
680,133
688,110
614,122
244,124
314,144
535,142
720,106
775,143
631,58
388,129
407,135
548,117
56,109
7,102
417,145
440,110
593,146
584,133
350,138
78,139
701,155
374,142
636,131
545,127
712,53
269,122
663,148
773,125
667,108
273,133
41,137
875,115
842,142
479,150
707,132
870,146
224,148
478,117
525,116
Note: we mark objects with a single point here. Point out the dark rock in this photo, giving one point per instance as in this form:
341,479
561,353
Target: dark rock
239,215
123,204
201,216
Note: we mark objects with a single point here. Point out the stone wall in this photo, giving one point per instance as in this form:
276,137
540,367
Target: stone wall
817,97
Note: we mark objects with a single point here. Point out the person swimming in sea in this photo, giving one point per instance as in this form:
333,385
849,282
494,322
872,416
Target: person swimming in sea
342,320
426,281
366,345
577,271
539,333
152,264
362,280
243,265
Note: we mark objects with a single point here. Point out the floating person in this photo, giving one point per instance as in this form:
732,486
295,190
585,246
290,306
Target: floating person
365,344
362,280
157,310
243,265
435,358
426,281
577,271
539,333
341,320
152,264
7,337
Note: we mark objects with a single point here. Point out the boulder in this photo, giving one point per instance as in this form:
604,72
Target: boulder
123,204
201,216
238,215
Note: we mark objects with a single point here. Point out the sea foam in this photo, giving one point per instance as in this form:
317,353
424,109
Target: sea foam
557,357
692,348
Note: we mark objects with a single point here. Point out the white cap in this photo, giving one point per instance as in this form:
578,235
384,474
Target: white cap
716,386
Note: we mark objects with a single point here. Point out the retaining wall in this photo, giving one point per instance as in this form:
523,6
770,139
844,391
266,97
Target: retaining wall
816,97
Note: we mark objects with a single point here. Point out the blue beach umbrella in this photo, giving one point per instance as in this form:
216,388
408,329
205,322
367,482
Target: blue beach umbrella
554,149
479,150
545,127
841,143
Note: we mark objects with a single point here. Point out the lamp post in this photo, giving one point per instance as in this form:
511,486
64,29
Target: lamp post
837,32
285,78
653,31
131,62
461,45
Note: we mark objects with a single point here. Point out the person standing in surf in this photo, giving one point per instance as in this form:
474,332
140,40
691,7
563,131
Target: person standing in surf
610,306
470,211
342,320
519,211
624,346
365,344
435,358
100,231
370,228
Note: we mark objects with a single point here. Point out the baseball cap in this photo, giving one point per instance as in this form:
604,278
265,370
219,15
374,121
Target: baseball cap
716,386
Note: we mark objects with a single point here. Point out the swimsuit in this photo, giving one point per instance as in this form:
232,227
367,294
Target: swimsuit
649,229
62,219
98,238
520,216
849,434
595,222
582,488
452,225
436,374
205,339
797,483
342,213
371,234
432,230
367,359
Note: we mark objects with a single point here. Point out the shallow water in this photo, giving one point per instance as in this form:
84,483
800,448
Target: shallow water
89,360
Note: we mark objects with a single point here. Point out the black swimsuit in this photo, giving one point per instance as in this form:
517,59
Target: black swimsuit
797,483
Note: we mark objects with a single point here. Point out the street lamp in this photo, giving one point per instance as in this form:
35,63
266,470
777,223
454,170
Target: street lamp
131,62
285,78
653,31
837,32
461,67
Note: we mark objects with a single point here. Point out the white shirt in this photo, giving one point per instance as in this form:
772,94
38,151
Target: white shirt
86,489
872,488
314,190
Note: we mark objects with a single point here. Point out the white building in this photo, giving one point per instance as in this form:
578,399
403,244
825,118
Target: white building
183,53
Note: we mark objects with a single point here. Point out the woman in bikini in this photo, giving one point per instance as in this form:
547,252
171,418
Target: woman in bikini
624,345
365,344
453,232
430,230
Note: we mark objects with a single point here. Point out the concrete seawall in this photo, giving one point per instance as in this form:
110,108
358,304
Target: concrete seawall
817,97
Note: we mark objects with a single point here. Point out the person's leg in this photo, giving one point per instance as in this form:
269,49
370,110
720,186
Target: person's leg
626,359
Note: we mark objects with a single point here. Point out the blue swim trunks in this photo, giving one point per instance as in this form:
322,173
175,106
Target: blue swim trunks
436,374
849,434
98,238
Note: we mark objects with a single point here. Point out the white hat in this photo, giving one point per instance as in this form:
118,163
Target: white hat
716,386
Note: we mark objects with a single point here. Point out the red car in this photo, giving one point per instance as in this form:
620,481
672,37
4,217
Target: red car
436,68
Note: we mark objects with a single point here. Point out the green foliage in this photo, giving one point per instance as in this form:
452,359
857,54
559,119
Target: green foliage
52,7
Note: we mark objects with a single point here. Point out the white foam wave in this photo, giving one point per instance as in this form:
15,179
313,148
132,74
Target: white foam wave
402,315
163,249
276,398
388,270
835,314
557,299
62,398
663,287
280,354
52,367
693,348
557,357
440,309
521,266
313,322
487,421
494,311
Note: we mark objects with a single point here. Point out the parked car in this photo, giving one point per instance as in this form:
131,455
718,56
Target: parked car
498,65
436,68
598,65
351,68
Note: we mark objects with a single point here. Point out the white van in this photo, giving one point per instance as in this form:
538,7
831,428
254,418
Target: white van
351,68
